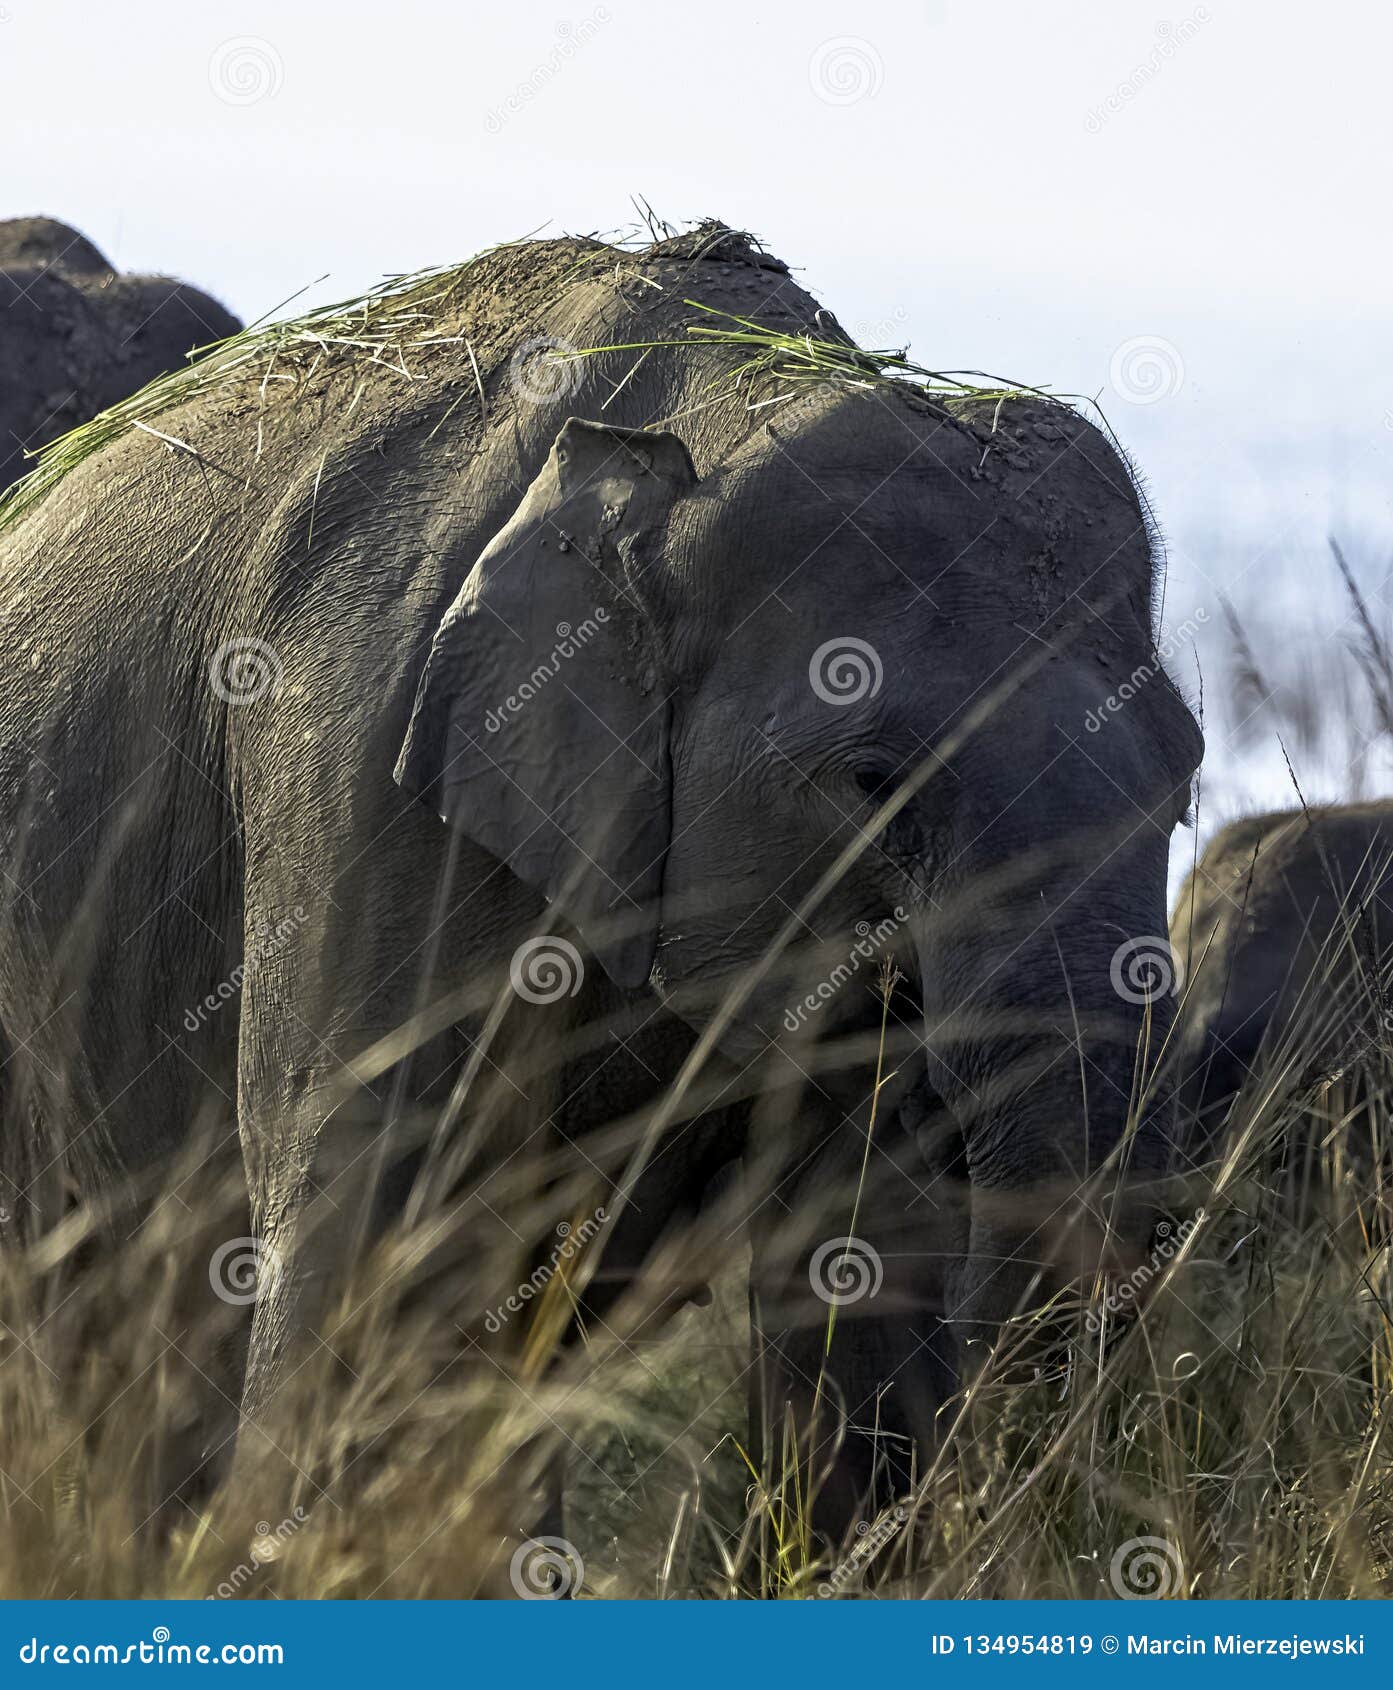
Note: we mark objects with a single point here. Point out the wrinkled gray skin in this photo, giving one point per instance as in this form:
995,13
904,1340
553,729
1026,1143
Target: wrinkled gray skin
1283,930
75,337
670,796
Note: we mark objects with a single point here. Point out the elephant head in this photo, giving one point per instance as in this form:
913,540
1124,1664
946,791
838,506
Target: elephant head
1282,930
831,693
76,337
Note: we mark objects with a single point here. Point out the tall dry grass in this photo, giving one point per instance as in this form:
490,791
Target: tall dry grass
1242,1419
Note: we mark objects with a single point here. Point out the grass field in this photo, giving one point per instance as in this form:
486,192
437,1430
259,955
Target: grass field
1217,1428
1230,1442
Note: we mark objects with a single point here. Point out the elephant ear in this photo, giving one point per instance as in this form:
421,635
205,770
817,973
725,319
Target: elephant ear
540,727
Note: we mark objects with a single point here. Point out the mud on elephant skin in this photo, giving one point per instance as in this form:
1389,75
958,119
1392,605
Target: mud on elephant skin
711,674
76,337
1284,931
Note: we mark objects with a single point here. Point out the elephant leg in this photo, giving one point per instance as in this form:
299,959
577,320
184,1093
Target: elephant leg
873,1432
316,1158
119,1096
853,1357
356,1011
860,1394
309,1187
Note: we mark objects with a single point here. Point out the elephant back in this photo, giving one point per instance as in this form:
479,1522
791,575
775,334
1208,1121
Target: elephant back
43,243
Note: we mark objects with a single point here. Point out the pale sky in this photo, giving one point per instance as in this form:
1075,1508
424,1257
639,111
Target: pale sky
1183,211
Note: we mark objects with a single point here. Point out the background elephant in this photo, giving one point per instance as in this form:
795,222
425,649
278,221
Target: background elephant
714,670
76,337
1283,933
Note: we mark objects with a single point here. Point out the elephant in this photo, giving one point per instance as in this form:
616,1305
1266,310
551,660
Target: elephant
580,685
1281,933
76,337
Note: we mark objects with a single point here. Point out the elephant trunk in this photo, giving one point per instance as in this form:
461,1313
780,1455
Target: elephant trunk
1045,1053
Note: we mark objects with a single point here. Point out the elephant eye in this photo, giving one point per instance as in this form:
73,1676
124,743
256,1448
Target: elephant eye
876,782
